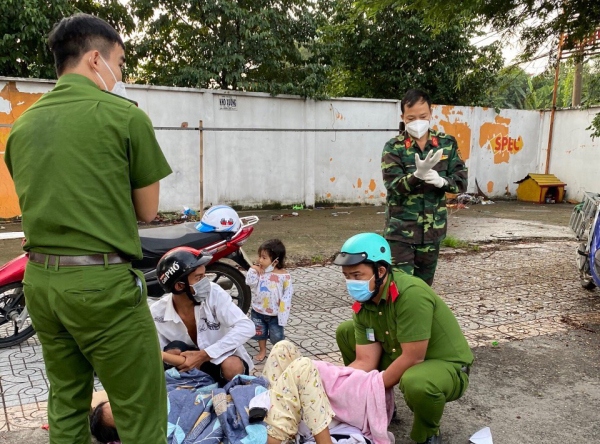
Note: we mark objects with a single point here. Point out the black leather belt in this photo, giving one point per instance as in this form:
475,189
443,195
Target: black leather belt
65,261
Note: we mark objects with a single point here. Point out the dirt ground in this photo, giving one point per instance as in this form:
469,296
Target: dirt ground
314,236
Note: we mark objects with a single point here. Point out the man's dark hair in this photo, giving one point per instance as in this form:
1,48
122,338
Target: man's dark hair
413,96
99,429
276,250
74,36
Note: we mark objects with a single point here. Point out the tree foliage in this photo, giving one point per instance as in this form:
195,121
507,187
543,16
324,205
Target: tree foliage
252,45
536,21
517,89
25,24
384,54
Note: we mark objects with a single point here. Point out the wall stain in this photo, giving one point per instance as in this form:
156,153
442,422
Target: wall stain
460,130
372,185
18,102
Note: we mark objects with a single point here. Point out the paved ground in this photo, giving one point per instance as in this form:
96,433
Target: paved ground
533,331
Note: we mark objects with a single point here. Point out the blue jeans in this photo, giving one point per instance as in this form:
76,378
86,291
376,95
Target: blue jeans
267,327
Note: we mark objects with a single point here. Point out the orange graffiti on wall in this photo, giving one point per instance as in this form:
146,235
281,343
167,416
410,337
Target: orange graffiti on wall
12,104
460,130
495,137
372,185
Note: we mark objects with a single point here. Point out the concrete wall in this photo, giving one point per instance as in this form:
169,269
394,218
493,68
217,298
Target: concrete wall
574,156
260,149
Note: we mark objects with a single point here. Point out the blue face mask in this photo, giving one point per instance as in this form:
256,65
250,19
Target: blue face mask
359,290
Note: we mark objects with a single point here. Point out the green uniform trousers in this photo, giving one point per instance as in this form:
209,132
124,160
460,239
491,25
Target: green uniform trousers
426,387
419,260
97,318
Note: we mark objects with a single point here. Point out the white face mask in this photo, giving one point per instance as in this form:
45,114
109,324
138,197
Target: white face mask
119,88
271,267
417,128
201,289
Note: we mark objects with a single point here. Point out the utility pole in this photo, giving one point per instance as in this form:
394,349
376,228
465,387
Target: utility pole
577,79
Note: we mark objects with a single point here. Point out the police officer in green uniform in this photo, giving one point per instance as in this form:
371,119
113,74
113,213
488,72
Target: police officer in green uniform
86,164
419,167
401,326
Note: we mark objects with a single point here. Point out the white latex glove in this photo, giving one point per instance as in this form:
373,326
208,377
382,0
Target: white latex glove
423,166
433,178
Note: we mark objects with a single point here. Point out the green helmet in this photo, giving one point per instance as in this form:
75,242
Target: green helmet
364,247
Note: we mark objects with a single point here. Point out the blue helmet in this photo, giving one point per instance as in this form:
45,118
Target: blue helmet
364,247
219,218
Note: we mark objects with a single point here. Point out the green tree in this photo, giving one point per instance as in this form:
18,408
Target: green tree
578,19
251,45
384,54
25,24
511,88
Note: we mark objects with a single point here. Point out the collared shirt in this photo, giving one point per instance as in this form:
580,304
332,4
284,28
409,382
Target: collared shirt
410,311
222,328
416,211
75,156
271,294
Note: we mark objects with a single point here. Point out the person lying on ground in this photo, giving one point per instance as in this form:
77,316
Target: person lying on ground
314,399
200,314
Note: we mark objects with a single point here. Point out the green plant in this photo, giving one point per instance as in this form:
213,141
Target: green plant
453,242
317,259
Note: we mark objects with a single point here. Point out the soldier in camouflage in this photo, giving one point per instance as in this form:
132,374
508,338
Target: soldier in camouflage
419,167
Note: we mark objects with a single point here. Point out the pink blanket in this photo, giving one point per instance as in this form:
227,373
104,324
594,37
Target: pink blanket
359,398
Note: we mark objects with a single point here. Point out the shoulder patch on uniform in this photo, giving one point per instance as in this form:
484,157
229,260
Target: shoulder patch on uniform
356,307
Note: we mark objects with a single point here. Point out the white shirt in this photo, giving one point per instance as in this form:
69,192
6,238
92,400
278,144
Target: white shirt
222,328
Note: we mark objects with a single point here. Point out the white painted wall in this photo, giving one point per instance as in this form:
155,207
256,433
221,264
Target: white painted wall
260,167
574,156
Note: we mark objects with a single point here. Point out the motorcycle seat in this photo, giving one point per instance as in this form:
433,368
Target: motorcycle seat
157,241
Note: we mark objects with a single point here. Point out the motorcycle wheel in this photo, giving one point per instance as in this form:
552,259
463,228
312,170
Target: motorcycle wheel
583,265
232,281
12,299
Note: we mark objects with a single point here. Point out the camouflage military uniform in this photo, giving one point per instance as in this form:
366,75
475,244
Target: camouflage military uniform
416,211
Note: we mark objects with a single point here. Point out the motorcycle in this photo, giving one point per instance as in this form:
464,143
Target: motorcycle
224,247
585,222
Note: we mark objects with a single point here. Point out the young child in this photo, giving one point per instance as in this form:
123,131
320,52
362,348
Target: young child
272,292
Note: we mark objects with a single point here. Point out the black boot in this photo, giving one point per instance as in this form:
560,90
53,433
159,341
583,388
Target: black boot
436,439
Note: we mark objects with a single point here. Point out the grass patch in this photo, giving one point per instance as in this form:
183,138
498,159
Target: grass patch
454,242
317,259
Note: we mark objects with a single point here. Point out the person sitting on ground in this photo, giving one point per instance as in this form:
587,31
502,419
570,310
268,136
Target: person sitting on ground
314,399
272,292
198,319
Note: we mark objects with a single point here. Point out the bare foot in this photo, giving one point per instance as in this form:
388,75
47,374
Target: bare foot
260,357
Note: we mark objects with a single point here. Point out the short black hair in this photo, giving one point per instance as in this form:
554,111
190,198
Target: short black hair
413,96
75,35
99,429
276,250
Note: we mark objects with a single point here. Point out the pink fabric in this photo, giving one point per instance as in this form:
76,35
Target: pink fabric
359,398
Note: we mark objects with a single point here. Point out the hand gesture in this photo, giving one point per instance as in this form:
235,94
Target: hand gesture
193,359
423,166
258,269
432,177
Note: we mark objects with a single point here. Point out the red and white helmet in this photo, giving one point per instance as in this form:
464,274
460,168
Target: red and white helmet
219,218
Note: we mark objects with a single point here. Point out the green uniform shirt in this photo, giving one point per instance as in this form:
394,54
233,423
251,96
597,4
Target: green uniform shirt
412,313
416,211
75,157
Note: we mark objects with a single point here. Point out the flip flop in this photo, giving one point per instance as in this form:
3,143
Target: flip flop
259,361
